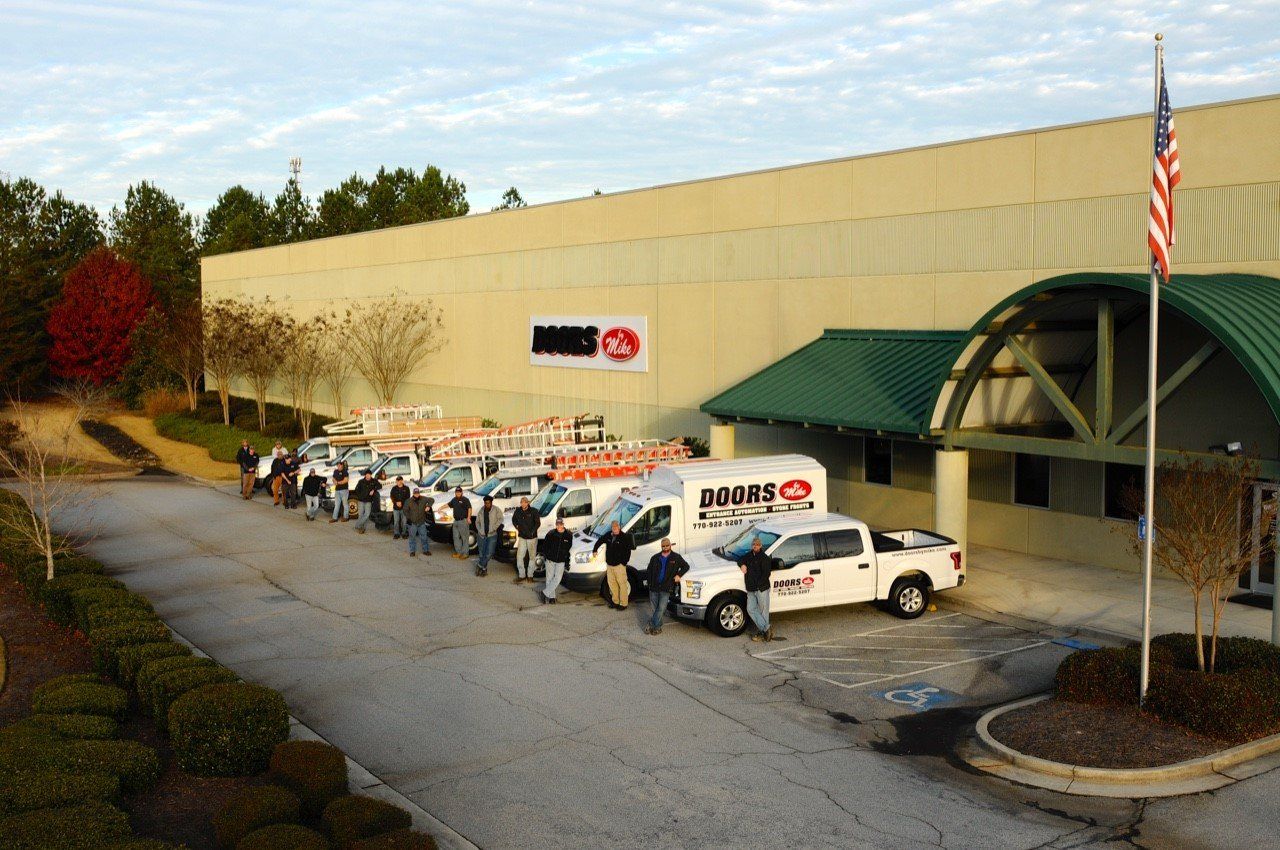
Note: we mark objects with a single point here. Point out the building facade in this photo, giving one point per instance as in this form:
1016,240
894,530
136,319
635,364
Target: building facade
868,293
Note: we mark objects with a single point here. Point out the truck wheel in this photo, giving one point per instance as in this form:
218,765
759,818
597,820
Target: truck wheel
353,509
727,616
909,598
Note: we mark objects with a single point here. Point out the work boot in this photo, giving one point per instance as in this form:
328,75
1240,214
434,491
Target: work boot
758,637
413,554
648,630
518,580
360,530
345,519
542,598
332,521
551,600
768,636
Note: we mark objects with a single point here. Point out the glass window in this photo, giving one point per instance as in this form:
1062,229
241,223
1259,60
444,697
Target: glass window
621,510
360,457
737,548
520,486
577,503
796,550
845,543
458,477
1117,478
653,526
397,466
433,475
1031,480
877,460
488,485
545,502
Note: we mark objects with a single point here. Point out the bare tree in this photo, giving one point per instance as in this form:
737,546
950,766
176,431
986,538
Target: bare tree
224,322
392,338
300,366
263,338
1198,535
41,472
176,335
333,358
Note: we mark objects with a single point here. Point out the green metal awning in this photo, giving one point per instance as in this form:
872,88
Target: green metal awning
861,379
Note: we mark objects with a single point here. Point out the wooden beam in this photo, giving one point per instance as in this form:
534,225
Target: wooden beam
1194,364
1104,376
1050,388
1019,372
1046,326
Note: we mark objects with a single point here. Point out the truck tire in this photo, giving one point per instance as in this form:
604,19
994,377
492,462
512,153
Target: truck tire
353,509
727,615
909,598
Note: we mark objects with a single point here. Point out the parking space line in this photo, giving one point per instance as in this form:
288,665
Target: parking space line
769,652
946,665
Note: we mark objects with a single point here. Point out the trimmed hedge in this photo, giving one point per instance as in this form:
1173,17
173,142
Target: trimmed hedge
83,826
167,688
32,569
87,726
142,844
129,659
228,729
22,792
1107,676
101,615
154,669
83,698
82,599
56,595
1234,653
136,765
400,839
283,836
106,642
252,809
314,770
356,816
59,682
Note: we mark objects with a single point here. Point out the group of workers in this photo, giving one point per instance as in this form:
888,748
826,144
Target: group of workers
413,518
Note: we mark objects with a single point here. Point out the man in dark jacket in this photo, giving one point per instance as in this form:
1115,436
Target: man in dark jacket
756,568
341,492
248,460
618,546
399,495
665,569
418,514
526,520
290,475
277,478
368,490
311,492
555,552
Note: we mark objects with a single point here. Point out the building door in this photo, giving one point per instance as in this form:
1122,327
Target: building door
1262,576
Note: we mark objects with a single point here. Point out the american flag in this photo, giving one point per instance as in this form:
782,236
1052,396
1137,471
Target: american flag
1165,175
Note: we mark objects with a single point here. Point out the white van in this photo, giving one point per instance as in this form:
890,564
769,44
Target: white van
575,501
698,504
507,487
316,450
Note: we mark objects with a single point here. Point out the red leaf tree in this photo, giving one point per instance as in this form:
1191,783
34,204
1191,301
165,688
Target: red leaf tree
103,300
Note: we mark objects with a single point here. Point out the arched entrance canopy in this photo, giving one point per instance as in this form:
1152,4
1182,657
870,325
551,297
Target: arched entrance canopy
1075,316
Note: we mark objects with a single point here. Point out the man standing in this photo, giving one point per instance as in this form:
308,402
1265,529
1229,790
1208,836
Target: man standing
555,552
417,513
277,477
291,469
618,547
367,492
399,495
248,460
461,508
665,569
311,491
526,520
488,524
756,567
341,492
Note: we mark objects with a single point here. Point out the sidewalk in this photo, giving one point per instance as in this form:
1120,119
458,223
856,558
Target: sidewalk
1068,594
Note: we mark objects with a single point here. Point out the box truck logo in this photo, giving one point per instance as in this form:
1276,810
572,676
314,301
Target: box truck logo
620,344
744,500
795,490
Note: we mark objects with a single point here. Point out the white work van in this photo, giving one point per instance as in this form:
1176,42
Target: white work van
819,560
573,500
315,450
507,487
697,504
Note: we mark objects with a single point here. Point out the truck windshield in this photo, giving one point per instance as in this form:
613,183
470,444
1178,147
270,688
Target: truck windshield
489,485
433,475
547,499
737,548
623,510
379,464
305,447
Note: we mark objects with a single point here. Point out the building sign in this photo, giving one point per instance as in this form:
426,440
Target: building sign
615,343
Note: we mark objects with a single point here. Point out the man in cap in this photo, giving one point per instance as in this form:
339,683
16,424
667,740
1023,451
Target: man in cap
417,513
618,546
488,524
555,552
461,507
399,495
311,486
665,569
341,492
526,520
368,491
756,568
247,457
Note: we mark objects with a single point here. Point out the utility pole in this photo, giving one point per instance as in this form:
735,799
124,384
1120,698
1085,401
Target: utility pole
295,169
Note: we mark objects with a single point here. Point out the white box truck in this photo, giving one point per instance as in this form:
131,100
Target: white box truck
819,560
698,504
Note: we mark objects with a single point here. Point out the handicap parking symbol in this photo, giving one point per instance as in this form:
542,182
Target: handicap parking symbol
919,696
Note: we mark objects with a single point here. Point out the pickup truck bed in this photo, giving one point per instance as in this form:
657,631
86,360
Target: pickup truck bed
908,538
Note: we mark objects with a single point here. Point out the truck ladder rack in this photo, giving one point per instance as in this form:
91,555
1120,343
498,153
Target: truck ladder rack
616,462
539,434
383,420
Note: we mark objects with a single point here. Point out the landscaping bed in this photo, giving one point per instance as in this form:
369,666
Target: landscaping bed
120,444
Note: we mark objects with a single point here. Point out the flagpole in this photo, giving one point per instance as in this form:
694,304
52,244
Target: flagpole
1149,500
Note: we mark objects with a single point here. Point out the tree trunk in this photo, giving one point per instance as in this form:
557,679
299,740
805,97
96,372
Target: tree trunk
48,553
191,392
1199,630
262,413
1219,601
224,396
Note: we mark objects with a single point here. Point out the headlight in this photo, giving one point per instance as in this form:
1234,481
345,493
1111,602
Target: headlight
583,557
445,515
691,589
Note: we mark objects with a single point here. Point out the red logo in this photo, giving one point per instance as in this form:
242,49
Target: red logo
795,490
807,580
620,343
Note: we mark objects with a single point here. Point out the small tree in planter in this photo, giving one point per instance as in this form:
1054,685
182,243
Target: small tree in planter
1198,534
391,337
333,360
224,322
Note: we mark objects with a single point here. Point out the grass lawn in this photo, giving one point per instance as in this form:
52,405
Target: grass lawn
222,442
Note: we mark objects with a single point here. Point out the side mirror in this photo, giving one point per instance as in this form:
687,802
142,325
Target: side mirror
779,564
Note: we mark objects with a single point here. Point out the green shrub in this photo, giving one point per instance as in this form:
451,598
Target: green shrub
1107,676
252,809
22,792
106,642
129,659
221,442
56,595
167,688
83,825
228,729
1230,707
87,726
142,844
82,599
83,698
400,839
1235,654
157,667
32,570
59,682
104,614
283,836
314,770
31,750
356,816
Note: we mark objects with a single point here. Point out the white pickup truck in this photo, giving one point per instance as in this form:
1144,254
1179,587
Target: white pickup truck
315,450
819,560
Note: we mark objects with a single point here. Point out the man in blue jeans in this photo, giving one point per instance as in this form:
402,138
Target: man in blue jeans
341,492
756,568
665,569
488,526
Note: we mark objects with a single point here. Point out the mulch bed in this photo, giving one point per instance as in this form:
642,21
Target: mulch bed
1098,736
180,807
119,443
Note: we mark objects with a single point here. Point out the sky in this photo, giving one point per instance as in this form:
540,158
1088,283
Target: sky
560,98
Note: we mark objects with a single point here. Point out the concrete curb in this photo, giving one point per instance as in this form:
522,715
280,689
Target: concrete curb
1187,777
362,780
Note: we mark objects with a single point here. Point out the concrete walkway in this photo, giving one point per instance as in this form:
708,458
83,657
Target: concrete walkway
1085,596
